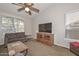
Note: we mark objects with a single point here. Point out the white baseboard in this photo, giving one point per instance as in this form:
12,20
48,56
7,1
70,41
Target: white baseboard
62,46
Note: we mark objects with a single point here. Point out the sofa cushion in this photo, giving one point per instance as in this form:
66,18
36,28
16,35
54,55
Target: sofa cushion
20,35
10,35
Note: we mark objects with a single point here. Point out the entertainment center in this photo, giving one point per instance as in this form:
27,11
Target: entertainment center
46,38
45,34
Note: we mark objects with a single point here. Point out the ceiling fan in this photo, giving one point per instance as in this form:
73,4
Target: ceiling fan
28,7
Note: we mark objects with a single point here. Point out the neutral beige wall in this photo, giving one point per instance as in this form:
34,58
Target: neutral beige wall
56,16
28,27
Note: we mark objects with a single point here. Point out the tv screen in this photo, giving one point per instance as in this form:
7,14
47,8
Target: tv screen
46,27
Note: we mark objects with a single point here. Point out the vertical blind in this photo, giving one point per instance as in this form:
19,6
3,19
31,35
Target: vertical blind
10,25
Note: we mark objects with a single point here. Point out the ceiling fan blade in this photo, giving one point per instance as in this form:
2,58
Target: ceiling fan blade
20,9
19,4
34,9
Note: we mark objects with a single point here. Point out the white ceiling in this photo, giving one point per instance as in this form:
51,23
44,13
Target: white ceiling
12,9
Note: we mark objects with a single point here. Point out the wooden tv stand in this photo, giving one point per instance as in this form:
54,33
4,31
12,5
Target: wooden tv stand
46,38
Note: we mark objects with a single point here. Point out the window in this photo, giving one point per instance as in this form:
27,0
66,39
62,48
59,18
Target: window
7,24
19,25
10,24
72,25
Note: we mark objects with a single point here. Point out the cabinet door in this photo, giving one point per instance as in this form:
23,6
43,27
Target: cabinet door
47,37
39,36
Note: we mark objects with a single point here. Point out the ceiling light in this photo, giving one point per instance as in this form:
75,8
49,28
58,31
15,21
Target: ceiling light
27,9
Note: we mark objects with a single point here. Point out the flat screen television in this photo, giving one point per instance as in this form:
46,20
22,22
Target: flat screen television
46,27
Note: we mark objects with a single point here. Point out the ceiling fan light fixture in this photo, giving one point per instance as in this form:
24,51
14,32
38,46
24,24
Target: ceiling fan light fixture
27,9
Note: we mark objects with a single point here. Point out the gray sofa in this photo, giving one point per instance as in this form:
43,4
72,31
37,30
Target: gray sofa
12,37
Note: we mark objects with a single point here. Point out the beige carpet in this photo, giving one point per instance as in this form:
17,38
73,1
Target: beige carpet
39,49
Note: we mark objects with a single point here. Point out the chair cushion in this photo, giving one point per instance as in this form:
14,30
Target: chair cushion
76,44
